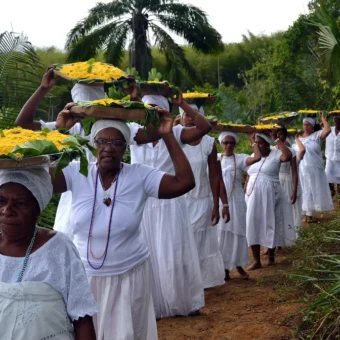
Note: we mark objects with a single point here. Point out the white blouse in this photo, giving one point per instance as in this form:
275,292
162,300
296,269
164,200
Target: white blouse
270,166
57,264
156,156
126,247
198,158
333,146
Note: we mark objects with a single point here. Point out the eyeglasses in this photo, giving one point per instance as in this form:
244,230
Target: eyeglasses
115,142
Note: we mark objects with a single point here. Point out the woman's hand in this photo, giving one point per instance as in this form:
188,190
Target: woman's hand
215,216
273,134
133,91
48,80
177,120
179,98
225,214
66,119
166,122
251,137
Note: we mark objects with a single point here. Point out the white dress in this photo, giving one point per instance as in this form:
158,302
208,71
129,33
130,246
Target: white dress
54,292
264,198
177,282
333,157
316,195
121,280
199,203
232,235
286,180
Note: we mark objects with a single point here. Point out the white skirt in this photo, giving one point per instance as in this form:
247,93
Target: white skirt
265,220
33,310
297,212
316,195
177,286
333,171
210,258
234,249
125,305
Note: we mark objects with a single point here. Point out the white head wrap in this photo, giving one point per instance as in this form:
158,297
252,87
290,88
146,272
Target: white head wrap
267,138
86,92
36,179
100,125
225,134
157,100
310,121
194,106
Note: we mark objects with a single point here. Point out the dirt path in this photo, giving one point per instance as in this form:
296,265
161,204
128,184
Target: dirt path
242,310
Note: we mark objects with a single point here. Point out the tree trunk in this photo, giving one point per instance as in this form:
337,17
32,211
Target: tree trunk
140,51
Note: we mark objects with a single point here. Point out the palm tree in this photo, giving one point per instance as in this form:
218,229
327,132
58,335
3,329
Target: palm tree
328,39
20,75
111,26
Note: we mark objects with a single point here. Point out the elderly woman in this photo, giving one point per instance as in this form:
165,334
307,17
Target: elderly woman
232,235
316,195
107,209
204,211
264,198
44,291
177,283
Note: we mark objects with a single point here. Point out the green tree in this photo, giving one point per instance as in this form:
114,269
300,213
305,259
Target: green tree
108,27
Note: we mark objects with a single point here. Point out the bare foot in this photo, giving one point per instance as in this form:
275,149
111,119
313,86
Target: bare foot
242,273
254,266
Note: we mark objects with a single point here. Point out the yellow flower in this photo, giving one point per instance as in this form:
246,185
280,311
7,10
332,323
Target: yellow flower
232,124
279,116
310,112
195,95
106,102
266,126
18,137
83,70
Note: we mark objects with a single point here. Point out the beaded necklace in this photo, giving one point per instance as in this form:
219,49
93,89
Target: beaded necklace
89,241
28,253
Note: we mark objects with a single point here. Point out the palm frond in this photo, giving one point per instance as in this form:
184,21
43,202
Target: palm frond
98,16
175,56
114,52
195,28
20,75
88,46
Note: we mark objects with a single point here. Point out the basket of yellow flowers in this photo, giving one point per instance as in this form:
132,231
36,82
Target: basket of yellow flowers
281,118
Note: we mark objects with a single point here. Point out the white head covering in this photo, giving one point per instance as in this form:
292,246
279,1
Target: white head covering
267,138
81,92
100,125
225,134
36,179
194,106
310,120
157,100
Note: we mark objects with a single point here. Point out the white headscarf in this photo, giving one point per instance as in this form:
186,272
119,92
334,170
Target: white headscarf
310,120
157,100
81,92
36,179
225,134
267,138
100,125
194,106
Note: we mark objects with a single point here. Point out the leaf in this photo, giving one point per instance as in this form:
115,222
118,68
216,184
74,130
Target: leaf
2,133
84,163
87,125
63,162
36,148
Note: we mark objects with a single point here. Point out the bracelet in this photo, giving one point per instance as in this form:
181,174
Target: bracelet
195,117
253,145
226,205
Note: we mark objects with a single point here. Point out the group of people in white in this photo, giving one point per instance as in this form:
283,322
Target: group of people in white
154,234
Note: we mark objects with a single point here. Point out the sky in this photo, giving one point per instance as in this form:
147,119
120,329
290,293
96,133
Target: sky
46,22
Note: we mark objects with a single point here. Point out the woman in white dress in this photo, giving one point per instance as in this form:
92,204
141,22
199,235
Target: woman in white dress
44,292
264,198
333,155
177,283
232,235
107,209
316,195
203,209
